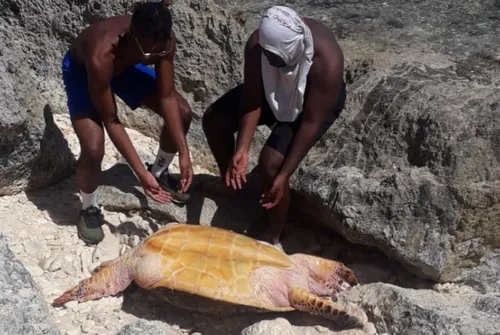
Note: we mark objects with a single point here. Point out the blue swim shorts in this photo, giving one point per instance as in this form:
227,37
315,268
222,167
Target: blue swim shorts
132,86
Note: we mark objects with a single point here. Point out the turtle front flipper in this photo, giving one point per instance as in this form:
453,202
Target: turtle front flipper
348,317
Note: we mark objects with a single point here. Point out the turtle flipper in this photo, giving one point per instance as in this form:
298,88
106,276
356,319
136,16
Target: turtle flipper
109,278
349,317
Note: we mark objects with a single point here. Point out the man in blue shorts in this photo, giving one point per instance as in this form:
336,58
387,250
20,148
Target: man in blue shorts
111,57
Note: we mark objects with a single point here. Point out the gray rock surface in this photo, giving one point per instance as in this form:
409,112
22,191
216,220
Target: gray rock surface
208,59
22,308
33,151
395,310
412,168
121,191
146,327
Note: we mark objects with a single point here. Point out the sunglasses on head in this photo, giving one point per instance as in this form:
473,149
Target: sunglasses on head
149,55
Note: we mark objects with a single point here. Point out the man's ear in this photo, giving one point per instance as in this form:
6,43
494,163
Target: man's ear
136,6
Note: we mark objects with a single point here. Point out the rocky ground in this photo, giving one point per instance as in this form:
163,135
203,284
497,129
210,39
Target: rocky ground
40,231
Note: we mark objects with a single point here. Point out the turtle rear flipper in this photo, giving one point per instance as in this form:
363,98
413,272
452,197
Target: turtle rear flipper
349,317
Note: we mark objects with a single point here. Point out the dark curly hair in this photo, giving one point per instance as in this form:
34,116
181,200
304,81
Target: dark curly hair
152,19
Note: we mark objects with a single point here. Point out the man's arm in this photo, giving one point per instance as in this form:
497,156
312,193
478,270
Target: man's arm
100,71
326,83
249,108
167,100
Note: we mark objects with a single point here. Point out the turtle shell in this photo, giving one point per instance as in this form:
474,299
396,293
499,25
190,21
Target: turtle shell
211,262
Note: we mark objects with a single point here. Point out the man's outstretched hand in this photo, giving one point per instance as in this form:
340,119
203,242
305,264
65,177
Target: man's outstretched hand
153,189
237,169
273,197
186,173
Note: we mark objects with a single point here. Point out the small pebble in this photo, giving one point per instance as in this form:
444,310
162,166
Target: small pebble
69,269
83,308
49,237
42,221
87,326
123,250
16,249
55,265
110,326
23,199
62,312
134,241
71,305
23,234
46,262
31,248
123,239
35,271
370,329
72,332
81,318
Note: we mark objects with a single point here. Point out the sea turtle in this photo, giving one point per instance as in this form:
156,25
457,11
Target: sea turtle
215,264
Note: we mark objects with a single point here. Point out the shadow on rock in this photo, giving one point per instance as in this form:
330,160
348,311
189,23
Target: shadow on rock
56,161
59,195
122,192
146,305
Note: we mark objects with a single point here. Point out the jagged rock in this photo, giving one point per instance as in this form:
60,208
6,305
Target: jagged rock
283,326
396,310
33,151
22,308
412,168
146,327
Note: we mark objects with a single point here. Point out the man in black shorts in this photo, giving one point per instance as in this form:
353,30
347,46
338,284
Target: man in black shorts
293,83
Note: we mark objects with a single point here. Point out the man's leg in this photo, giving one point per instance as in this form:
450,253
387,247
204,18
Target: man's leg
220,123
88,128
167,148
88,169
270,162
271,159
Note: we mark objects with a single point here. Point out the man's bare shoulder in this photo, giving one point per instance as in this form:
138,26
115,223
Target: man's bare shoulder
98,39
328,56
252,41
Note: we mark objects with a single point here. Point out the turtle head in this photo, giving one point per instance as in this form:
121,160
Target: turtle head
330,276
110,278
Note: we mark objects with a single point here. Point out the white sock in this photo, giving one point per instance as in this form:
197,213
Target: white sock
89,200
163,160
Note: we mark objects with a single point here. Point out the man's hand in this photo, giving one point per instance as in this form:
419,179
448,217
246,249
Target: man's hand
273,197
153,189
186,172
237,169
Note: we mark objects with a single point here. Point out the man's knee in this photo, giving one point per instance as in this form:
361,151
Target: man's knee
211,122
269,165
185,109
92,154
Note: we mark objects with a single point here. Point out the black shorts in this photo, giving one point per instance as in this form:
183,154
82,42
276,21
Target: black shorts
283,133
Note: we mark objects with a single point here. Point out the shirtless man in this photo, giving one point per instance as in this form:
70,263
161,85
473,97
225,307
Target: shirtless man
293,83
110,57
